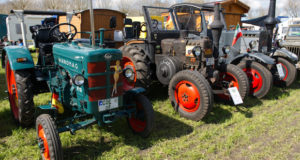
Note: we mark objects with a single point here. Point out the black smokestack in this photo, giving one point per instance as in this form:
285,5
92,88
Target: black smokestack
216,28
270,23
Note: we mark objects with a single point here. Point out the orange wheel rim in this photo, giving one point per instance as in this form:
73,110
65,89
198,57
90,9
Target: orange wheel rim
256,81
187,96
45,147
231,79
12,90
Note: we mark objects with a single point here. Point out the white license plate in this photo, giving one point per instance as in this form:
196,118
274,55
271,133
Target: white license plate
280,71
108,104
235,95
210,61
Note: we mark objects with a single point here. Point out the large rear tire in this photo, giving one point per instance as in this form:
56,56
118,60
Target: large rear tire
20,94
142,122
48,138
260,78
232,76
289,71
135,57
190,94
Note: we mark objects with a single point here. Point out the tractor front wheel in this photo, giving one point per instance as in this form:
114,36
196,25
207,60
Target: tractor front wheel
20,94
190,94
48,138
289,71
232,76
142,121
260,78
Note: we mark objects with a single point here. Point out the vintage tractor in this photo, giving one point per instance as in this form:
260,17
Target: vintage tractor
197,17
87,82
183,63
285,71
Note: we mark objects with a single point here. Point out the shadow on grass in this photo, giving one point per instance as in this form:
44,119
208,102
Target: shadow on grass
157,92
165,128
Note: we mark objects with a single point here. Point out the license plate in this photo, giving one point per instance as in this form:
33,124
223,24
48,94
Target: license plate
210,61
235,95
108,104
280,71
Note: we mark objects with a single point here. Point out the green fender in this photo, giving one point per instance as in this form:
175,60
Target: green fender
15,52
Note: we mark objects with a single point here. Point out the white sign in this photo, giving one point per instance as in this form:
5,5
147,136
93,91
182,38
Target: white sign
235,95
210,61
108,104
280,71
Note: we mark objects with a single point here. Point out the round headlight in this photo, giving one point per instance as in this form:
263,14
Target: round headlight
128,72
226,49
197,51
78,80
252,44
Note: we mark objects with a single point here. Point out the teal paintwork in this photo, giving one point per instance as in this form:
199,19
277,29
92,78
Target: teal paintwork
14,52
73,58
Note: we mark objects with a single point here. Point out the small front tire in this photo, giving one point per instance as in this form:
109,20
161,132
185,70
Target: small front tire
260,78
48,138
142,121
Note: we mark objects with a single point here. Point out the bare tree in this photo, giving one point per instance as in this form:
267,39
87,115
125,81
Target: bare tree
79,5
125,6
55,4
195,1
20,4
103,3
292,8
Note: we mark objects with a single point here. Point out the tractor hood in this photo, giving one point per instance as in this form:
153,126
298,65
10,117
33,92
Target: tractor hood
85,52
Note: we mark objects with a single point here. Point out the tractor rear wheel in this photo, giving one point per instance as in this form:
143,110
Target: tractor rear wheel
190,94
260,78
20,94
232,76
289,70
142,121
48,138
135,57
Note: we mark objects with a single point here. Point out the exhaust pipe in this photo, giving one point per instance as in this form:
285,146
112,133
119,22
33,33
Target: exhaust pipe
270,23
216,27
92,22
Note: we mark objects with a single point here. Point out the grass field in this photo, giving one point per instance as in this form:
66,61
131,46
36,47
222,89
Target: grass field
260,129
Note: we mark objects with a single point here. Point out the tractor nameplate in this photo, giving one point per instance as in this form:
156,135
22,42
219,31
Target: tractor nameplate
68,63
108,104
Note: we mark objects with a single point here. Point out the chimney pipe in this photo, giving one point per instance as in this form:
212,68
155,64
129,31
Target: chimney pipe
216,27
270,23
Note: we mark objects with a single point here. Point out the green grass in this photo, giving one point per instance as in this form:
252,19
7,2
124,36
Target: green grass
260,129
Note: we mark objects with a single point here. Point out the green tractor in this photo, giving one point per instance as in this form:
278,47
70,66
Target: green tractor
88,85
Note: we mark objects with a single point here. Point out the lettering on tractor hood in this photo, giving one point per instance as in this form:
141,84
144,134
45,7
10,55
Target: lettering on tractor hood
68,63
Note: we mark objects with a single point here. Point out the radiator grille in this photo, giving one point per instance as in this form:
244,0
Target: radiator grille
294,49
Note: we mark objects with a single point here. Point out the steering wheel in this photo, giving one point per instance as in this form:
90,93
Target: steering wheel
58,36
154,24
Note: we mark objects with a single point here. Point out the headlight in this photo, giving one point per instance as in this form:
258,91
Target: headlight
197,51
128,72
226,49
253,44
78,80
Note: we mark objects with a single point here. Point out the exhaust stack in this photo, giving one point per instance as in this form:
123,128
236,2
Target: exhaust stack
270,23
216,27
92,22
